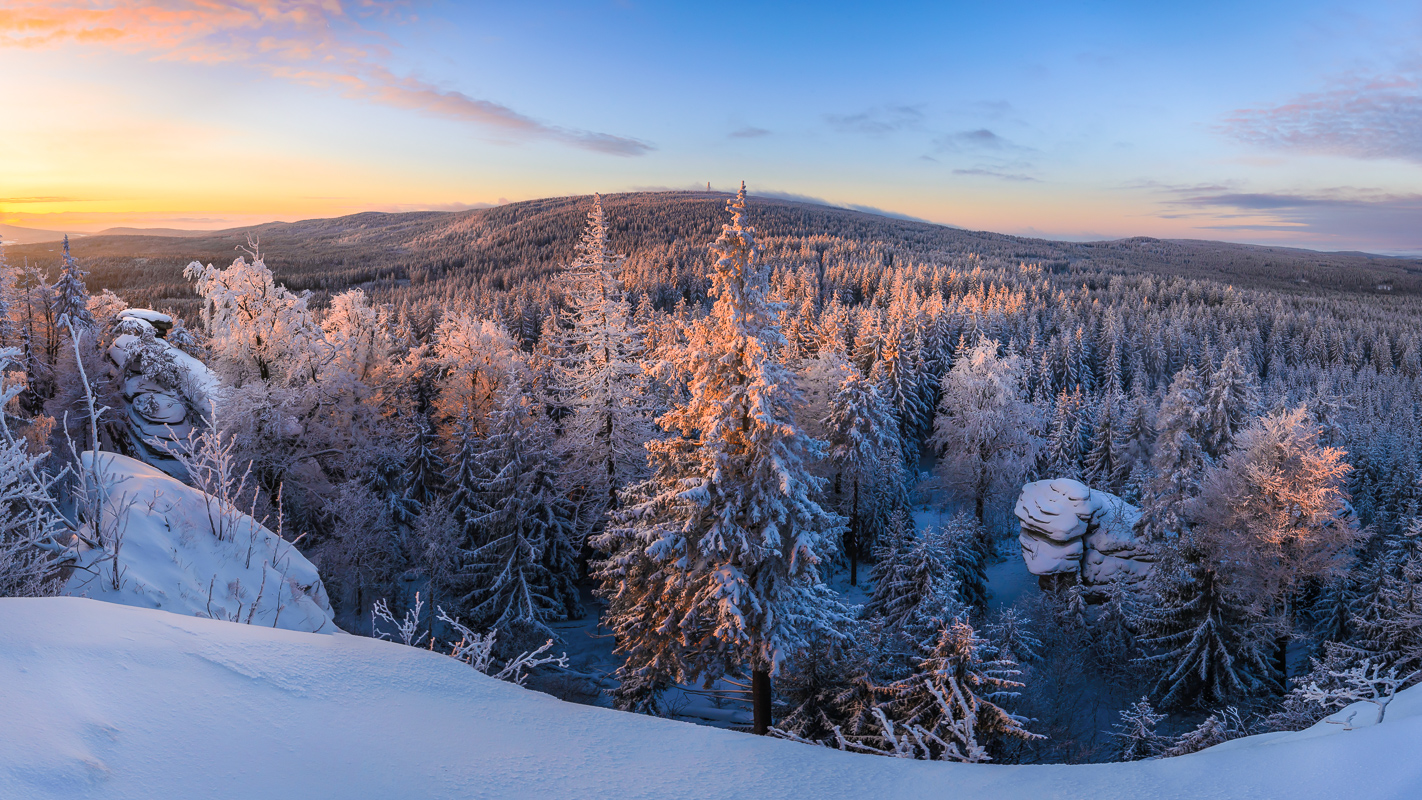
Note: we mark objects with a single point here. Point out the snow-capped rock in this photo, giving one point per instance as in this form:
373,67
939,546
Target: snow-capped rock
164,389
1068,528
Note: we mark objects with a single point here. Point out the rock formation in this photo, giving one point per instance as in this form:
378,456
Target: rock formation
1073,533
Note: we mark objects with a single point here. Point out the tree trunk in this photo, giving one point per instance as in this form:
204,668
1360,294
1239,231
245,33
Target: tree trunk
852,545
760,700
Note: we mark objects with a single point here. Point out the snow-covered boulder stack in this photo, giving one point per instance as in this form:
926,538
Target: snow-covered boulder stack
1068,528
167,545
165,390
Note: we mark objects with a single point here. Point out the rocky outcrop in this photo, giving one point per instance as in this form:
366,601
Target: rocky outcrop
1073,533
165,390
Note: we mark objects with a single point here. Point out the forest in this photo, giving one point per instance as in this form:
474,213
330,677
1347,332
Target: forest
773,453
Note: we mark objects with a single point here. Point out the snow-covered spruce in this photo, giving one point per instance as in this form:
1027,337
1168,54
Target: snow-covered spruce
713,563
602,380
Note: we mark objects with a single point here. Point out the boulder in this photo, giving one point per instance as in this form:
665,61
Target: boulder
1071,532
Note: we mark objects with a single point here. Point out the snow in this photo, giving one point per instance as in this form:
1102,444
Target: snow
124,346
147,315
170,559
137,703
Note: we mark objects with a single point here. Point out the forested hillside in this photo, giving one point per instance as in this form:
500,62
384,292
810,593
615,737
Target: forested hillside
666,232
731,423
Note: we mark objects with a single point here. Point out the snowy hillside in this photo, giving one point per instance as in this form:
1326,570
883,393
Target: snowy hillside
136,703
183,551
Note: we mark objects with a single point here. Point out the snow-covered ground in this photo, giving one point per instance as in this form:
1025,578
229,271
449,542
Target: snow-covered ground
106,701
171,546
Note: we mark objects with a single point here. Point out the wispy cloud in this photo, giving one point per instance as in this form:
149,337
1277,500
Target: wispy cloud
748,132
1005,176
877,121
331,44
978,139
1345,218
1363,117
22,201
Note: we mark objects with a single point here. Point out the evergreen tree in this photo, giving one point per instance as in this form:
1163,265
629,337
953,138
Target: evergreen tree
1136,734
863,440
602,381
1063,446
1011,632
950,701
1228,404
517,558
1104,465
1388,624
713,565
71,296
1206,653
899,380
1178,460
915,578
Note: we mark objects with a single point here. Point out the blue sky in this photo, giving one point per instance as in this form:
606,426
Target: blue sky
1284,123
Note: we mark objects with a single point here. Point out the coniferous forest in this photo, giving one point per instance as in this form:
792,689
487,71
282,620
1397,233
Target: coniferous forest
758,463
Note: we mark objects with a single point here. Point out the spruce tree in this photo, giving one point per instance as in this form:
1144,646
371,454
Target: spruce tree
71,296
602,382
863,440
517,557
1228,404
951,699
713,564
916,577
1135,733
1178,460
1205,651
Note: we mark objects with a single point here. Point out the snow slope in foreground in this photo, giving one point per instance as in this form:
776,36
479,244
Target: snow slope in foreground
107,701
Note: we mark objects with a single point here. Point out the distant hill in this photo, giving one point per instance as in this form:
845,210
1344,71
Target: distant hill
14,234
442,253
170,232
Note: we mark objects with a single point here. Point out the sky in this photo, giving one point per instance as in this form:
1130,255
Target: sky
1294,123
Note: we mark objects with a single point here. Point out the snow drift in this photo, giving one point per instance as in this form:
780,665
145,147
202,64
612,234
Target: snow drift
183,551
102,701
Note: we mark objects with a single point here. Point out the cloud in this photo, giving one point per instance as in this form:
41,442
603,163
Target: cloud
878,121
328,44
891,214
1373,117
976,140
819,201
1339,218
748,132
1006,176
20,201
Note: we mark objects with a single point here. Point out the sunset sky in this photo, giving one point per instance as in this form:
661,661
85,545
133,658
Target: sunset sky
1273,122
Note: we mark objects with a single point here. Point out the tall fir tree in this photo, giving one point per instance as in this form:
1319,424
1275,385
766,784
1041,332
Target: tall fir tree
602,380
713,564
71,296
517,555
1178,460
951,700
863,440
1205,649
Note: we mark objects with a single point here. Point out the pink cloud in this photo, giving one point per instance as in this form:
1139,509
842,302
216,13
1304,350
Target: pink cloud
324,43
1362,117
